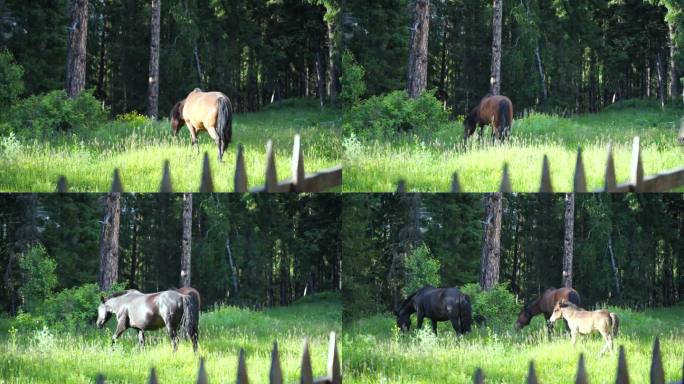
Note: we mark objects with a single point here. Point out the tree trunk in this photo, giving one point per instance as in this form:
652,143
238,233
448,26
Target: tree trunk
187,240
332,13
134,251
109,242
516,257
76,48
233,269
568,239
491,247
100,89
613,265
542,76
153,80
661,79
495,78
674,80
418,49
320,76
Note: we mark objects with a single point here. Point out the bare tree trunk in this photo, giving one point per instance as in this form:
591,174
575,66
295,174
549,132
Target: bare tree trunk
495,78
568,239
187,240
516,257
76,48
542,76
491,247
674,80
233,269
198,65
100,89
320,76
134,251
153,80
333,51
418,49
613,265
661,79
109,242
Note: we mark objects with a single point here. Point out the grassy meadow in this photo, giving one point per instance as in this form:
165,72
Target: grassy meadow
42,356
376,352
138,147
427,163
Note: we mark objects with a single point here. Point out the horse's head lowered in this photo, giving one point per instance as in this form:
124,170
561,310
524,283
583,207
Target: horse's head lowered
177,117
104,312
470,123
403,319
524,317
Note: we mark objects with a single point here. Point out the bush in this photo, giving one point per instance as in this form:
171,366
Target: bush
353,85
39,278
42,115
497,307
421,269
11,78
386,115
74,307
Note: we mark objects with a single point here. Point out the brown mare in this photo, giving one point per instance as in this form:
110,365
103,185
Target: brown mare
496,111
545,304
205,111
585,322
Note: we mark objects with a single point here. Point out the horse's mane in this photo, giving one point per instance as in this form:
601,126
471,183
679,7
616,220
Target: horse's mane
410,297
121,293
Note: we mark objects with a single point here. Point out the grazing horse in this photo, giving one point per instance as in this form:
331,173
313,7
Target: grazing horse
205,111
585,322
173,310
437,304
496,111
545,304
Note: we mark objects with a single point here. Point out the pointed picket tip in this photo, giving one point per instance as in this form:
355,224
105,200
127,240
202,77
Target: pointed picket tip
306,375
580,182
657,372
242,369
62,186
271,177
334,371
206,183
622,374
610,183
100,379
401,186
636,169
276,374
531,374
581,377
297,164
455,185
165,186
202,374
479,377
240,180
153,377
546,177
505,180
116,182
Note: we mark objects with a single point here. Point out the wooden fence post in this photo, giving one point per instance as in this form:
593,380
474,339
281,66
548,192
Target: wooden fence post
153,377
202,374
271,177
334,372
276,374
479,377
298,180
657,372
100,379
206,183
455,186
165,186
636,169
401,186
610,182
531,374
62,186
622,374
546,177
306,375
505,180
580,181
581,377
240,179
116,182
242,369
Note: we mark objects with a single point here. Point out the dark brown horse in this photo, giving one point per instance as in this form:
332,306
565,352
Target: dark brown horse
174,310
496,111
545,305
205,111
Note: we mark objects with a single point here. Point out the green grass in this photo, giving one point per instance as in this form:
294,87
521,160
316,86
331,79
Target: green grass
375,352
77,357
139,150
427,163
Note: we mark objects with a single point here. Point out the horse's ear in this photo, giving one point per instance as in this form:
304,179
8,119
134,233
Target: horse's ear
102,299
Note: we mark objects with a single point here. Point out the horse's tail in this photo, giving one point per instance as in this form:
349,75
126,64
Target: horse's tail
466,314
190,319
224,121
615,323
504,121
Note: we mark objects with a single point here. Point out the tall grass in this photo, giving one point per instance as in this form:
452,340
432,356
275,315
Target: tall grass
427,163
77,357
376,352
138,148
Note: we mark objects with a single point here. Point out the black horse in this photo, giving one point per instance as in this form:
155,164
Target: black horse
174,309
437,304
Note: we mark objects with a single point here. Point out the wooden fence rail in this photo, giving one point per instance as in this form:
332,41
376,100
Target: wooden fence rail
657,374
300,182
661,182
333,375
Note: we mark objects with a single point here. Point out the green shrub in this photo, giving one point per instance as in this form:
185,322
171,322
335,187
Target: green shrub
384,116
11,78
497,307
39,277
42,115
421,269
74,307
353,85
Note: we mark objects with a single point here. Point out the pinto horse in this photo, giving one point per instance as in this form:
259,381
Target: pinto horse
174,310
437,304
205,111
496,111
545,305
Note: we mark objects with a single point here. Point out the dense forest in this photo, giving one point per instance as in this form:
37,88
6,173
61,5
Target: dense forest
628,248
570,56
255,51
252,250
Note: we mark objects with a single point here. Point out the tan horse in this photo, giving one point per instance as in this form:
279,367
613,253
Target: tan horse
496,111
205,111
585,322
